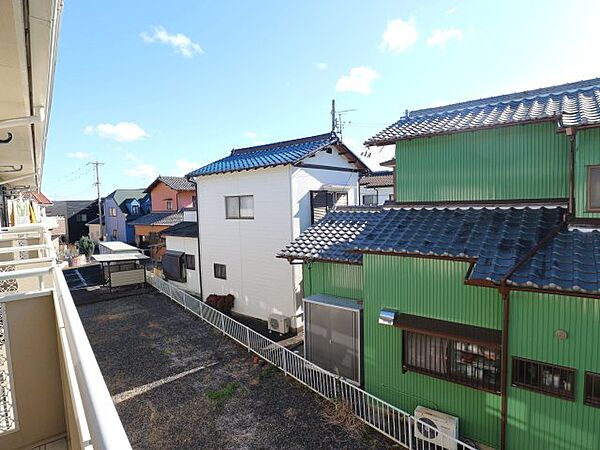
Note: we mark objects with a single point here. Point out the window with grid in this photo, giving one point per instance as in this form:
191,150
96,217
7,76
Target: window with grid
112,212
592,389
220,271
239,207
169,204
472,365
190,262
7,412
593,188
369,199
550,379
81,217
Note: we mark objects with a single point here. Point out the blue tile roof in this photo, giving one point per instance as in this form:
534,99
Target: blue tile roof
569,262
280,153
576,103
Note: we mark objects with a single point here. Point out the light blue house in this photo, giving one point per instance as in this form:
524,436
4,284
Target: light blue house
121,207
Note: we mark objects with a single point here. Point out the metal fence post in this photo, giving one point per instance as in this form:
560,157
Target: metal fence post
248,338
285,363
222,324
410,432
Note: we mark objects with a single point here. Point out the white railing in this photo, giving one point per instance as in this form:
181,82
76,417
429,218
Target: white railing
396,424
98,424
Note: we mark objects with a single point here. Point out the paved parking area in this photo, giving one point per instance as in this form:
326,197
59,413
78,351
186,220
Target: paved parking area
179,384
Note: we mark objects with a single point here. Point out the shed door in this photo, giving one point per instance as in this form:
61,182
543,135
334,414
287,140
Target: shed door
333,339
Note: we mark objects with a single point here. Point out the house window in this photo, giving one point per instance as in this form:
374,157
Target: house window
473,365
593,188
549,379
369,200
115,235
592,389
220,271
81,218
169,205
190,262
112,212
321,202
239,207
7,402
135,209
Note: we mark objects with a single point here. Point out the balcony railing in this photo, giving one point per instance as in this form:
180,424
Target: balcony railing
44,351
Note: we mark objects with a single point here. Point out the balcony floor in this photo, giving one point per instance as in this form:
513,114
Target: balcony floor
162,366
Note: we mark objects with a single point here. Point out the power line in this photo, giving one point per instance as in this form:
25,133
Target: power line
97,165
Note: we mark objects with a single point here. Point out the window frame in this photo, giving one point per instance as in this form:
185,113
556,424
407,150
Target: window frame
115,233
169,205
239,207
81,217
135,209
215,272
371,203
539,388
189,257
111,210
594,403
588,205
450,373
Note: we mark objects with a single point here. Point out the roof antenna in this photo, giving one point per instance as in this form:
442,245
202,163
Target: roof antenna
337,124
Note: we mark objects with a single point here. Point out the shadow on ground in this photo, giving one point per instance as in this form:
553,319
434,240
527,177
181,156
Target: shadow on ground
212,395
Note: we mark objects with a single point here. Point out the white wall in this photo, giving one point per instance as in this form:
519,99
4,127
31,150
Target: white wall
189,246
261,283
383,193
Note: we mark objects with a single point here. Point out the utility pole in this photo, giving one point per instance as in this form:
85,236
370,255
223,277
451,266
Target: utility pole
97,164
336,119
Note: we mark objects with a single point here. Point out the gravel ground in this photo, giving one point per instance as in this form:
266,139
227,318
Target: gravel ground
212,394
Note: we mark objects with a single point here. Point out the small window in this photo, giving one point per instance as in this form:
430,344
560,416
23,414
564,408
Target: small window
239,207
391,197
112,212
321,202
190,262
115,234
472,365
549,379
592,389
593,200
220,271
135,209
169,205
369,200
81,217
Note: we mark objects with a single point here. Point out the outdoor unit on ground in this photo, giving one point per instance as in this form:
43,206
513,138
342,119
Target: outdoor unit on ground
439,428
279,323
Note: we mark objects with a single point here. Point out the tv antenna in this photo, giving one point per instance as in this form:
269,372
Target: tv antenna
337,124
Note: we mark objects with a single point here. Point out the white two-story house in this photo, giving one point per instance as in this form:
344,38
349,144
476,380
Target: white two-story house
253,202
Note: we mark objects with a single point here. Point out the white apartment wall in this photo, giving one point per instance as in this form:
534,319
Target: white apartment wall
383,193
189,246
261,283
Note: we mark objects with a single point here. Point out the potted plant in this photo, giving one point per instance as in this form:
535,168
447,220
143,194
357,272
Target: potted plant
86,247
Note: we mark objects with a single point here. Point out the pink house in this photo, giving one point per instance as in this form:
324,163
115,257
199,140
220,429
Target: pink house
171,194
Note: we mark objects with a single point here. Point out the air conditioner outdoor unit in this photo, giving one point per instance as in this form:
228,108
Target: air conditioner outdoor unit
279,323
441,428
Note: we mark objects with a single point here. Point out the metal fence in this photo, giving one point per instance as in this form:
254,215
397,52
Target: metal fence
383,417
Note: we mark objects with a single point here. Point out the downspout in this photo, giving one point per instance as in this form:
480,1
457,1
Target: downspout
504,290
571,133
198,239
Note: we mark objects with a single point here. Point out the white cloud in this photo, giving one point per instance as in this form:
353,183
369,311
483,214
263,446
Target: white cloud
122,131
399,35
250,135
131,157
359,80
183,166
441,37
321,65
78,155
147,171
180,42
452,10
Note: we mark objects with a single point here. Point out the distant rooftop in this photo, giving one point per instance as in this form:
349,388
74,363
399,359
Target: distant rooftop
176,183
575,104
271,155
384,178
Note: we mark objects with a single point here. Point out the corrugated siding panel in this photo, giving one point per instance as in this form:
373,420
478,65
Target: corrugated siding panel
341,280
525,161
432,288
588,153
538,421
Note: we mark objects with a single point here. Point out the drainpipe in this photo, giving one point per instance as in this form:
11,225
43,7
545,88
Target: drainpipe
571,133
199,268
505,293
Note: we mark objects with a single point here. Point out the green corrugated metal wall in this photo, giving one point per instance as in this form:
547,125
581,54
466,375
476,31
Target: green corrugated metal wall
588,153
341,280
526,161
432,288
538,421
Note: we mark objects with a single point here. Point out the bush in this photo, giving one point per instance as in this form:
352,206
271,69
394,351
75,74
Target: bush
86,246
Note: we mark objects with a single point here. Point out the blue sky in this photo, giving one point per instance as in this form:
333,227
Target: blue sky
164,87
